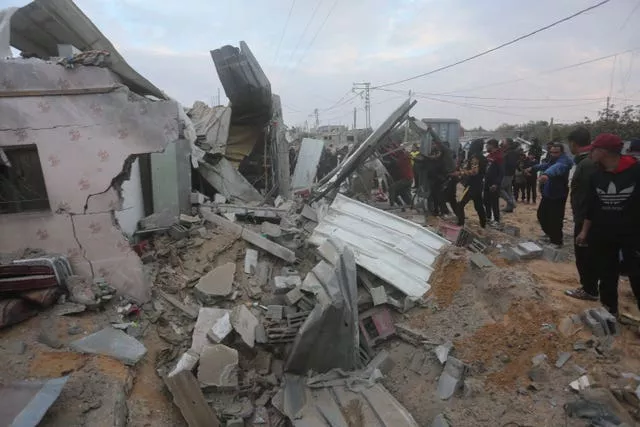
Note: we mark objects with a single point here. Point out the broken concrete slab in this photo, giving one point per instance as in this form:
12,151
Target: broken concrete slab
248,235
606,319
25,403
244,322
189,219
481,261
379,295
293,296
221,328
228,181
190,400
286,283
530,249
207,318
333,322
69,308
274,312
251,261
187,362
593,324
111,342
551,254
451,378
218,282
309,213
442,352
563,357
218,366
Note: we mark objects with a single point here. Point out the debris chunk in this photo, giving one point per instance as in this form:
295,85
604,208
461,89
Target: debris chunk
244,323
442,351
293,296
451,378
582,383
440,421
188,219
271,230
187,362
29,400
207,318
251,261
481,261
221,328
530,249
190,311
286,283
218,282
218,366
190,400
379,295
563,358
112,342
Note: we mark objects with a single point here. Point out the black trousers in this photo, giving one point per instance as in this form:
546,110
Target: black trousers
492,203
606,252
449,192
474,194
400,192
532,190
519,190
586,264
551,217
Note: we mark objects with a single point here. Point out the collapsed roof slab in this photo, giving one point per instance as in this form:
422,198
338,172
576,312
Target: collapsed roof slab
42,25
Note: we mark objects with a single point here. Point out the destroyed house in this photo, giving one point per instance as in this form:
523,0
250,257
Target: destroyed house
85,152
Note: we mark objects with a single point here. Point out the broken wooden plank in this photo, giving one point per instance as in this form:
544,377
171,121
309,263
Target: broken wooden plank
189,399
248,235
192,312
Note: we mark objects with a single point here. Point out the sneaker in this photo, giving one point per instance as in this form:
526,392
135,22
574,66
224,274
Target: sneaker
581,294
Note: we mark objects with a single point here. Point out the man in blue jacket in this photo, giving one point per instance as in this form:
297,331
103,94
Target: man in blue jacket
554,178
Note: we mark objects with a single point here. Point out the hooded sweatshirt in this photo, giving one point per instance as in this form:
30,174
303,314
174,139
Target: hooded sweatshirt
495,169
613,205
580,185
557,186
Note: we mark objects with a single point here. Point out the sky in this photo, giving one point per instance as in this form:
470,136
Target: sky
313,58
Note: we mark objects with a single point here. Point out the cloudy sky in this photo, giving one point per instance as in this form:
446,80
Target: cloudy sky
329,44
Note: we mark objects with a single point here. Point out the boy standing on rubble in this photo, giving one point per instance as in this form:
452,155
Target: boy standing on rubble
493,181
579,140
612,220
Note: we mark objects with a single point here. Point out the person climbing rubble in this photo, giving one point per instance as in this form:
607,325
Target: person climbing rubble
579,140
612,220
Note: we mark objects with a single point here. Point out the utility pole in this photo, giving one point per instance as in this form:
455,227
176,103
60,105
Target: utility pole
608,105
366,87
355,115
315,112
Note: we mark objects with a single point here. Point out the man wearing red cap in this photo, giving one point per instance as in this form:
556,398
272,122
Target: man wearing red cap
612,221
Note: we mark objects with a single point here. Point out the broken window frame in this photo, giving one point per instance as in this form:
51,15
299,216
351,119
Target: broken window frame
22,185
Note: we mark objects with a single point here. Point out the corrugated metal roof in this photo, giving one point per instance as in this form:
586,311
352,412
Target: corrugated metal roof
396,250
43,24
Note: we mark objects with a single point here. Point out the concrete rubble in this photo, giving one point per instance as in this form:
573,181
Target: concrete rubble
279,299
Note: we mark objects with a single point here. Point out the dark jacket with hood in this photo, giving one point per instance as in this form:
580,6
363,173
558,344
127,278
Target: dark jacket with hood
476,166
495,170
557,186
614,203
581,185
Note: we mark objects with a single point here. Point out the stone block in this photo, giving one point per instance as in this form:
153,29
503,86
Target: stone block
284,284
480,261
218,366
530,249
244,322
293,296
218,282
111,342
251,261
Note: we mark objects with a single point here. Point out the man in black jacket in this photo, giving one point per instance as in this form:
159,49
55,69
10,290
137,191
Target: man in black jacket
579,140
472,175
511,157
612,222
493,180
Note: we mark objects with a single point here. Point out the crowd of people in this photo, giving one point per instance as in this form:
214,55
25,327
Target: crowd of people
604,195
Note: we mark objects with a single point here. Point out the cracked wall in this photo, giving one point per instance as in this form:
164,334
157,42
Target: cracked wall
86,145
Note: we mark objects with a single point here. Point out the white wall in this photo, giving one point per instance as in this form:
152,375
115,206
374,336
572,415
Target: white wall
133,204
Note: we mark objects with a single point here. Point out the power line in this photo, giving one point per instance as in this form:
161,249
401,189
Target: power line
552,70
304,32
284,30
486,52
317,32
446,95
